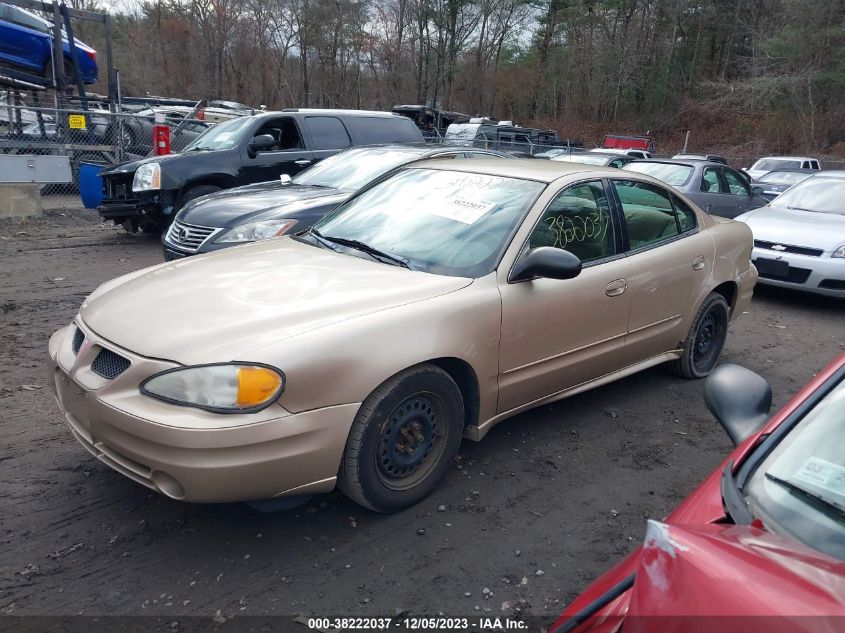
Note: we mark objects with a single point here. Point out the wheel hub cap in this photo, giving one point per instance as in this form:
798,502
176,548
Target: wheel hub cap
407,438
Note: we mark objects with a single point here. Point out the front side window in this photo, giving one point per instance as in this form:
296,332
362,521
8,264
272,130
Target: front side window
649,215
735,184
710,181
440,221
578,220
284,131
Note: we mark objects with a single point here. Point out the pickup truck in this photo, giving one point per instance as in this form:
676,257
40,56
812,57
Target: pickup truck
146,194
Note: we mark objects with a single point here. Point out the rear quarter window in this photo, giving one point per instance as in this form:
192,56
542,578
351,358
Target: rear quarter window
384,130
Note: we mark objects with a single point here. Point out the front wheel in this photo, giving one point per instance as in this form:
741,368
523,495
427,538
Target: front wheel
706,338
403,440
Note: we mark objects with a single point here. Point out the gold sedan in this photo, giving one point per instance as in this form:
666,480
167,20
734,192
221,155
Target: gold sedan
425,309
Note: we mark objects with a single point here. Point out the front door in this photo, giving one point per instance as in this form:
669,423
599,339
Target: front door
715,198
557,334
287,156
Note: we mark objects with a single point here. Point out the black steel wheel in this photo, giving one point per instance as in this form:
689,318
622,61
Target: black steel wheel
403,439
706,338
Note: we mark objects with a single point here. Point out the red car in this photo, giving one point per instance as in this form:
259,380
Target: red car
763,536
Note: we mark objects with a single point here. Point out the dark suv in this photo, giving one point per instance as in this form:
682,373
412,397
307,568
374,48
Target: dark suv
147,193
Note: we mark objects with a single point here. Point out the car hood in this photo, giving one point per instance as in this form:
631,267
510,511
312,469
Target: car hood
797,228
220,306
131,166
730,570
233,206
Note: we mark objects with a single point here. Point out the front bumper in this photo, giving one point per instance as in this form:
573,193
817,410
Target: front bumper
186,453
121,203
822,275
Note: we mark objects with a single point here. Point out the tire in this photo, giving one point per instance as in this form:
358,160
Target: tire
384,467
705,340
196,192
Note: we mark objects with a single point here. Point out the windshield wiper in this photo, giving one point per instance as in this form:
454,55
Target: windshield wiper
732,498
200,149
322,240
372,251
808,495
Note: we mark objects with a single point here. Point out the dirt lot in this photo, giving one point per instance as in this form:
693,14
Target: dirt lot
549,500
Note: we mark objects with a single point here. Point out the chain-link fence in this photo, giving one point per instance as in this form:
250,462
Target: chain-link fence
95,136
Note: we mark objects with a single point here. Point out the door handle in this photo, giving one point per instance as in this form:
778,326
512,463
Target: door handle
302,161
616,287
698,263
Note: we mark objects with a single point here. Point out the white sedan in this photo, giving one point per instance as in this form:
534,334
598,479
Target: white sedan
799,238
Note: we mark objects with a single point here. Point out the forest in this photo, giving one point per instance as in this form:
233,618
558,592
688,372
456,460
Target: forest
743,76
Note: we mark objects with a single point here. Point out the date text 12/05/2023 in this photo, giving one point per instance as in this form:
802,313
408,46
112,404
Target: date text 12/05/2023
417,623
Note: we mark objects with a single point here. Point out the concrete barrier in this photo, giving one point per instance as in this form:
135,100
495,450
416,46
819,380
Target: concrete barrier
20,200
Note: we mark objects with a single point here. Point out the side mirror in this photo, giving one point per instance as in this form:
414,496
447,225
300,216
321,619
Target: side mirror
260,143
740,400
545,261
756,190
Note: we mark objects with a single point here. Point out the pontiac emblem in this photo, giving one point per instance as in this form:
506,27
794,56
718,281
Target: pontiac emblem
778,247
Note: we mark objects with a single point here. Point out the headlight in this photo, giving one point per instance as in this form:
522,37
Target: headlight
839,252
224,388
147,176
256,231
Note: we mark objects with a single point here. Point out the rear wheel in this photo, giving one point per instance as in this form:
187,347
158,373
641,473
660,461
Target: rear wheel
403,440
706,338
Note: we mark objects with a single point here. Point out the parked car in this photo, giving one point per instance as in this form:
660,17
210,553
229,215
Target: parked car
136,130
269,209
26,43
634,153
558,151
771,163
595,158
147,193
771,184
643,143
714,187
501,135
416,313
799,238
715,158
761,540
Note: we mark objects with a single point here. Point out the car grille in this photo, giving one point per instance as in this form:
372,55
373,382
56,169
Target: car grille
78,339
119,187
787,248
795,276
109,365
189,236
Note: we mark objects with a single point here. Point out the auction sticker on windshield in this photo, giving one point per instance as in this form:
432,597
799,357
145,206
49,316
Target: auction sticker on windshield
463,210
824,474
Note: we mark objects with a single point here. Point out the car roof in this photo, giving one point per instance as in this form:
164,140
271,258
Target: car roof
349,112
540,170
786,158
422,147
679,161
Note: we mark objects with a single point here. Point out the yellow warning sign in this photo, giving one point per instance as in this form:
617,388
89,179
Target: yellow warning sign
76,122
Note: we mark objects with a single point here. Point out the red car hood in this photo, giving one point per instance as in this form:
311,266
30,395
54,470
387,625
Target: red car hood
689,571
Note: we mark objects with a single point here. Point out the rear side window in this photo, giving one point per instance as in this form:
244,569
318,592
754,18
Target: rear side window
686,216
385,129
327,132
710,181
649,215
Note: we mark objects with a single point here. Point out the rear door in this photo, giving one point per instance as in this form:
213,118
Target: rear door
289,155
671,263
328,135
713,195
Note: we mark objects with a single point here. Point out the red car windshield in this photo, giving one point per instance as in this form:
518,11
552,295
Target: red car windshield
799,488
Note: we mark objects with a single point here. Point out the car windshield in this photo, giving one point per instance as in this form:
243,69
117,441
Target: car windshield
440,221
352,169
820,194
221,136
784,177
770,164
675,175
799,488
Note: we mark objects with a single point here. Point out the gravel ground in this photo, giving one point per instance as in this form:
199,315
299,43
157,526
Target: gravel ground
544,504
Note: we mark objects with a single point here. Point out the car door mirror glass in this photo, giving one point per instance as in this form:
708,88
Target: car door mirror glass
757,190
740,400
546,261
